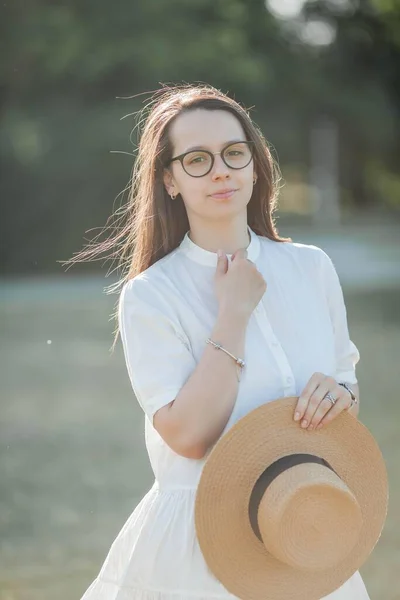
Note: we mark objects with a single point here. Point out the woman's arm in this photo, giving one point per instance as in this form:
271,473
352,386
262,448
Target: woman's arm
193,422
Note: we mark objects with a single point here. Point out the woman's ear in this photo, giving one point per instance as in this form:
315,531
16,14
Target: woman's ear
169,183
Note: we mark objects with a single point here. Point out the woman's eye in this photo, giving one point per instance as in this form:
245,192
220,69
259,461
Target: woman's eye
196,159
235,153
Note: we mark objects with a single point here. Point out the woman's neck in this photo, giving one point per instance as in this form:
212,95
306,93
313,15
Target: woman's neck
213,238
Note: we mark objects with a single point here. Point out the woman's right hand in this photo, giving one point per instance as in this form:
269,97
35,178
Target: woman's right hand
239,286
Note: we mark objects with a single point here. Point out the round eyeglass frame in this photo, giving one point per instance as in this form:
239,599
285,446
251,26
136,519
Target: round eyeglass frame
213,155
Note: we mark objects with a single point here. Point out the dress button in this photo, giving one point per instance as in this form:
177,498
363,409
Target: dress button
289,379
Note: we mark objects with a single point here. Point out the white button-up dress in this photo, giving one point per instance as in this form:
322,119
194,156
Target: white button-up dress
167,313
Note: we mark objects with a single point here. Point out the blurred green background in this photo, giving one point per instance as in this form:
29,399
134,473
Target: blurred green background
322,79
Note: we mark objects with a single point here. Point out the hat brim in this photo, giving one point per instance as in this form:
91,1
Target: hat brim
230,548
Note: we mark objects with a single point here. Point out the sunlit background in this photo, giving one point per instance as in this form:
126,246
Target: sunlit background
322,79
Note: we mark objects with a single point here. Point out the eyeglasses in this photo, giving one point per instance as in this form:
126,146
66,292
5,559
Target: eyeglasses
198,163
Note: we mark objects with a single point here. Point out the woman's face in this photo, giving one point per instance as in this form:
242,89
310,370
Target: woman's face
222,193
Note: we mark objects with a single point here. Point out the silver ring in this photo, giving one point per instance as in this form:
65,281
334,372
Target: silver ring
331,399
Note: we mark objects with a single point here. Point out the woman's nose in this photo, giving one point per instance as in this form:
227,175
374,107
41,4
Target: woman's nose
219,170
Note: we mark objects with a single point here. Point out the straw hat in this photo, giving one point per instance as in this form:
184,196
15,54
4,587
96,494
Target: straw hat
283,513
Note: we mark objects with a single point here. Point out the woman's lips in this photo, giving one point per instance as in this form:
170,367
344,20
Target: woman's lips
223,194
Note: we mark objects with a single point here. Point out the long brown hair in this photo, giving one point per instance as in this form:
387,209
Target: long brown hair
151,225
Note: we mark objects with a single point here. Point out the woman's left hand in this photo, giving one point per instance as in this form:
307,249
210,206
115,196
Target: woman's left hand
314,408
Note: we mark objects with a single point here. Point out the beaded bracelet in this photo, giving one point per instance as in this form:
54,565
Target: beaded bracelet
239,361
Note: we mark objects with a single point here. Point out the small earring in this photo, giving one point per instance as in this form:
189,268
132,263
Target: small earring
254,180
173,196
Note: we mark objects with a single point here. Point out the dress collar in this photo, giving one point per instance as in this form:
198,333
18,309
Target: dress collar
205,257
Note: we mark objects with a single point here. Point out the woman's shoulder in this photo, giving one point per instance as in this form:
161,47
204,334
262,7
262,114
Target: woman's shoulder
151,284
297,257
290,250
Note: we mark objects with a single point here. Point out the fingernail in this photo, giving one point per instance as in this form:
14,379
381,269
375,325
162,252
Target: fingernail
319,426
296,416
304,424
220,253
311,428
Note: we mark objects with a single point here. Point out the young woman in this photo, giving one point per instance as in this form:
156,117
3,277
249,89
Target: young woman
206,267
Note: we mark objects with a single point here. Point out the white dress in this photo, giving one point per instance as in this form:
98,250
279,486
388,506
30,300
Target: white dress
167,313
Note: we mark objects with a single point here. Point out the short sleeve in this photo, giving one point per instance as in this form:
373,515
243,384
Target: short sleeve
347,354
157,352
